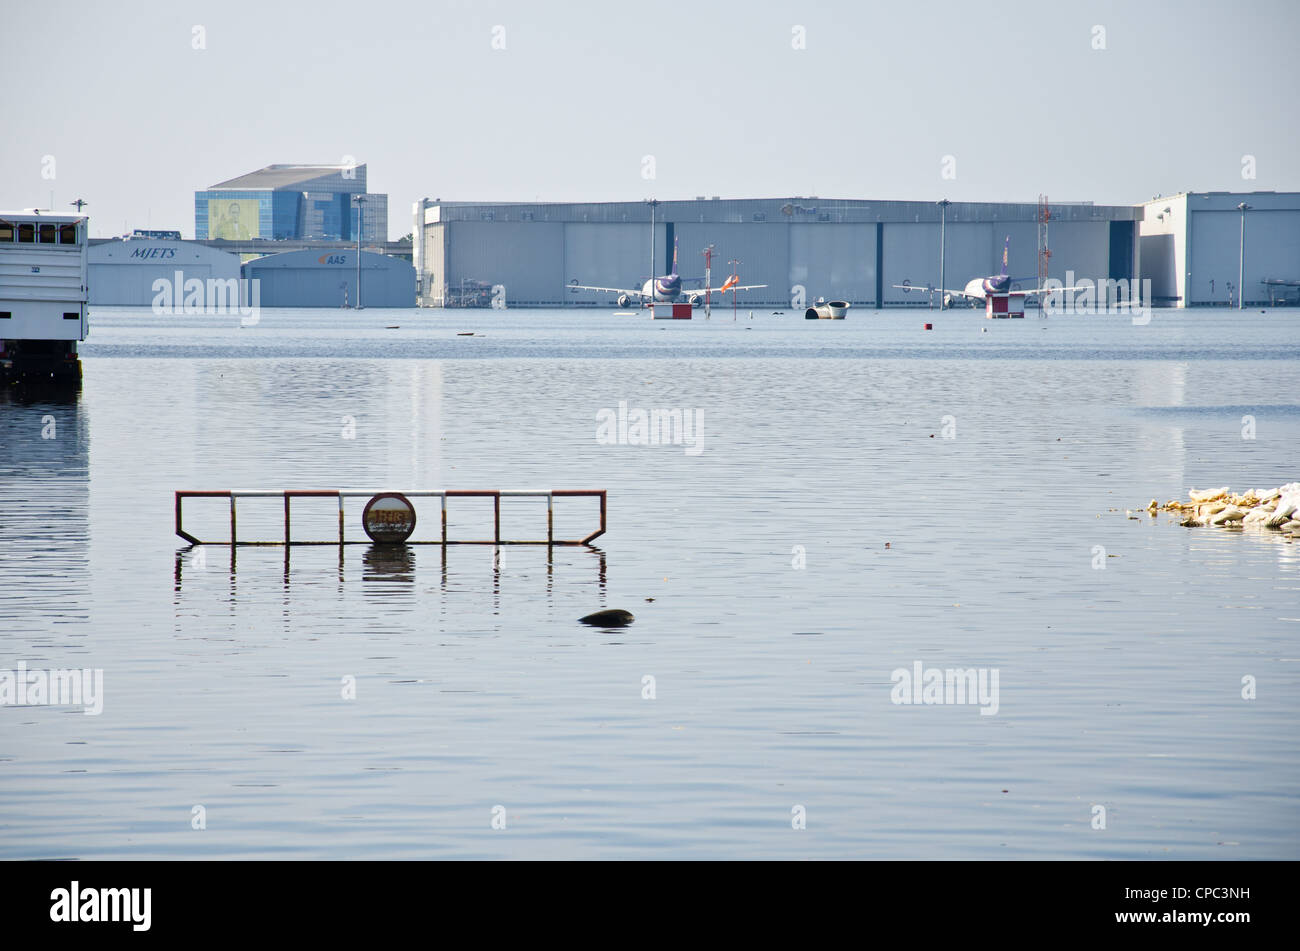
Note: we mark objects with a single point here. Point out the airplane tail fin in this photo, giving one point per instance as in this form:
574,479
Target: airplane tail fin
674,270
1006,250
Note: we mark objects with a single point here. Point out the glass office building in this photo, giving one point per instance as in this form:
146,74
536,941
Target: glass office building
300,202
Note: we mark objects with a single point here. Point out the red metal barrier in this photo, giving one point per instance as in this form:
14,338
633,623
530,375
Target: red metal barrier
442,494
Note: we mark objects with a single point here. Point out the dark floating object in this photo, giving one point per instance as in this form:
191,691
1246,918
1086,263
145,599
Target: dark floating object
467,333
393,327
612,617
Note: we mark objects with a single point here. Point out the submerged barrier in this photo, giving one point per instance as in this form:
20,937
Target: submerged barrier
389,516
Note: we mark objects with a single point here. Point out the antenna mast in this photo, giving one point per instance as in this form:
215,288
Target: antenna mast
1044,252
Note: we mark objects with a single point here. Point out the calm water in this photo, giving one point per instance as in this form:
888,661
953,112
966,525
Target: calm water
475,687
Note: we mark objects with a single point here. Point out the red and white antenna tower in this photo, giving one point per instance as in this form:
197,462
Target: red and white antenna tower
1044,252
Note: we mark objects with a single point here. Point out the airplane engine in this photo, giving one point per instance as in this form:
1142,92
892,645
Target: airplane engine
697,300
624,301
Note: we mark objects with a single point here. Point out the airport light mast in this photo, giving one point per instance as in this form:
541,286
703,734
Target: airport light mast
1241,259
653,203
359,200
708,269
943,221
735,271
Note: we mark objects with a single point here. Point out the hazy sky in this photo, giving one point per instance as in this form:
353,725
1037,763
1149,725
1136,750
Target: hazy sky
136,119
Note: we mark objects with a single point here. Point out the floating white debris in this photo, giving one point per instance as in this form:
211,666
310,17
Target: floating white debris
1268,508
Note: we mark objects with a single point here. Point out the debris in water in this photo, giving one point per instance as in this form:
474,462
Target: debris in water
1278,509
611,617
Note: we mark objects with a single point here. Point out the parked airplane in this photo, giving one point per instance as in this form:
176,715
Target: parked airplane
667,288
1285,287
979,289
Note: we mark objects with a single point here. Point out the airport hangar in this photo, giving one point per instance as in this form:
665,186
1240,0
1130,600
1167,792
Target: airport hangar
312,278
1192,247
122,271
837,249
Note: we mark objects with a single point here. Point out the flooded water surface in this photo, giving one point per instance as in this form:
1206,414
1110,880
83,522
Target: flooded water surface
826,511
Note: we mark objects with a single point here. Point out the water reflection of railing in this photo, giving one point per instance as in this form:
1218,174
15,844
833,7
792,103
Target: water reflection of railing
379,563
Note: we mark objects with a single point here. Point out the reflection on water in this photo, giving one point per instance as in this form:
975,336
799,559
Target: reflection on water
385,563
44,524
827,501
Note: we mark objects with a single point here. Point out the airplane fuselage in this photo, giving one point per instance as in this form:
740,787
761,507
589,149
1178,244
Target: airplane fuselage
981,287
666,289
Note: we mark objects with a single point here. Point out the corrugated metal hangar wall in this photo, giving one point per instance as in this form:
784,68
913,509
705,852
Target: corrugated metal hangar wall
852,251
1192,247
314,279
122,272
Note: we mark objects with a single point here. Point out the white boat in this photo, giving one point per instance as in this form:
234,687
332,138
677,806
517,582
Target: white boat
42,295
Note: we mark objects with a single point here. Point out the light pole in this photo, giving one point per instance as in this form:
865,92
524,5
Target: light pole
708,281
1241,259
359,200
653,203
735,270
943,222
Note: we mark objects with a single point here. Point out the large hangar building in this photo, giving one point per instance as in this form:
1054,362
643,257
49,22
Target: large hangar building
121,272
1195,245
531,254
313,278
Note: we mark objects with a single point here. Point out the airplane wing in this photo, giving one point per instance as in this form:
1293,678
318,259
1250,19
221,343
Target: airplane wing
1047,290
608,290
927,289
733,284
717,287
720,291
